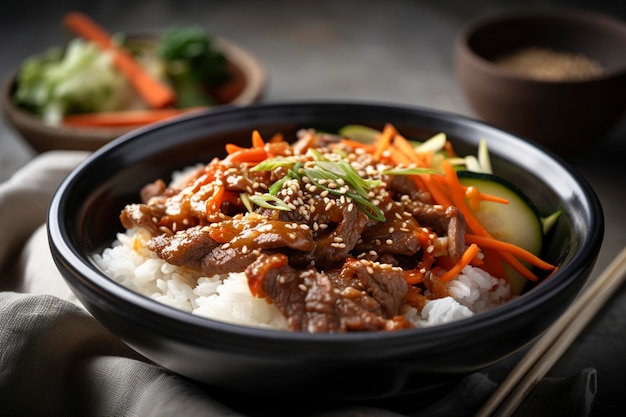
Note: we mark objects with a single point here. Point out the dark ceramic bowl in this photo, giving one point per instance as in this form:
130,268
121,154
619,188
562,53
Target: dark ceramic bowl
566,116
247,83
83,219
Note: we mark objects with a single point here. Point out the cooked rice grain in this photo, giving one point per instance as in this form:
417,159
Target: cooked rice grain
129,262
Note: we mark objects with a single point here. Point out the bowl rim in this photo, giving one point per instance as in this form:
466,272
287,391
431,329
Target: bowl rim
562,13
72,259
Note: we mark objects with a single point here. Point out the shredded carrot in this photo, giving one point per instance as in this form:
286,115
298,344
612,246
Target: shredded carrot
123,118
518,266
439,195
384,140
493,263
277,137
156,93
469,254
254,155
214,202
355,144
232,148
458,198
413,277
515,250
398,157
257,140
405,147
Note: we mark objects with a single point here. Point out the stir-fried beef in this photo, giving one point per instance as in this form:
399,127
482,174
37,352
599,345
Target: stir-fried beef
358,297
334,247
228,246
331,247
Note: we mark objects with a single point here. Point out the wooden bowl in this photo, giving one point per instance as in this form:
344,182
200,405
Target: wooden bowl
566,116
246,85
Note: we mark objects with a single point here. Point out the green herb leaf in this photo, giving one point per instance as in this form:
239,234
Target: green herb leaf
269,201
273,163
408,171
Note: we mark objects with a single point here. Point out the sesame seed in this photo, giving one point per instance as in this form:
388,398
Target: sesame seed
370,270
389,242
302,287
244,249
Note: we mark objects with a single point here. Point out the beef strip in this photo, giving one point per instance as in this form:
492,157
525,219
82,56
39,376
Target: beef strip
229,246
359,297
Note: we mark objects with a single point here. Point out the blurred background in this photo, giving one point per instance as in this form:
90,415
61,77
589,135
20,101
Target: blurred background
394,51
397,51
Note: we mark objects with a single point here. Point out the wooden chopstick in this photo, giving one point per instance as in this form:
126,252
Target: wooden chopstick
545,353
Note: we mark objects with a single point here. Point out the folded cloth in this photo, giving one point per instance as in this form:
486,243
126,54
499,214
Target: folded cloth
56,359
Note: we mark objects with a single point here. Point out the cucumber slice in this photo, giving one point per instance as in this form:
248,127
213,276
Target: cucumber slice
360,133
518,222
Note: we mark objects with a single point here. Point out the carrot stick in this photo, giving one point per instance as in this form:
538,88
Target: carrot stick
155,93
439,195
257,140
122,118
398,157
405,147
232,148
515,250
354,144
248,155
458,197
475,197
469,254
384,140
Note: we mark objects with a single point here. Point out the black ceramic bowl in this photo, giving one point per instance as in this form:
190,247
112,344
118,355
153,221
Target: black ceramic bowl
83,219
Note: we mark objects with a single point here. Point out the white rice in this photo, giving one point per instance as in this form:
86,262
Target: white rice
129,262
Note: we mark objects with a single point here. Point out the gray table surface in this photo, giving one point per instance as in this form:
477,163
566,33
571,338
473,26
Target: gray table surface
391,51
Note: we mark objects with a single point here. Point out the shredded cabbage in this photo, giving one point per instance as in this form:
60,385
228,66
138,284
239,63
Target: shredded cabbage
81,79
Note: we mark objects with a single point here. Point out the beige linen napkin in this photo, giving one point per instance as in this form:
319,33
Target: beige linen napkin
57,360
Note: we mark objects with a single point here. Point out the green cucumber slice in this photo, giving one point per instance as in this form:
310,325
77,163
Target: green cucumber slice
518,222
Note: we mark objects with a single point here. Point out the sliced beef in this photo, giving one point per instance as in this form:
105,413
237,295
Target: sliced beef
404,185
443,222
333,245
361,296
184,249
398,235
229,246
139,215
456,233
